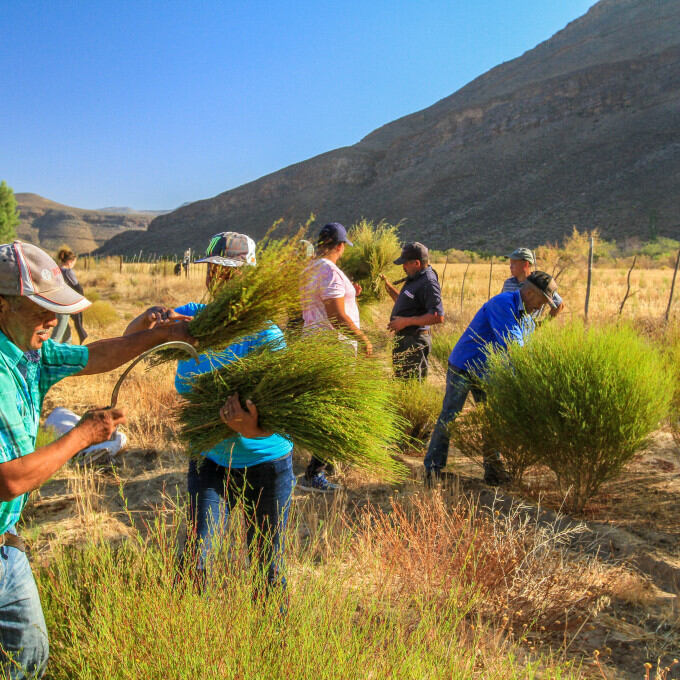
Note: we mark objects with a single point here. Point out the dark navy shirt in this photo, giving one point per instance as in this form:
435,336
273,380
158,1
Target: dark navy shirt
500,320
419,295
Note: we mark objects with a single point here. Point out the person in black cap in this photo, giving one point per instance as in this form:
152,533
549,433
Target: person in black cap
417,306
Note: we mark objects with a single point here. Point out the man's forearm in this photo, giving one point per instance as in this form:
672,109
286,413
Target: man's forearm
391,291
105,355
28,472
424,320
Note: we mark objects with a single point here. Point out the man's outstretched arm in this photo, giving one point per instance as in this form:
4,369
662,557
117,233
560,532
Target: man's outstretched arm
105,355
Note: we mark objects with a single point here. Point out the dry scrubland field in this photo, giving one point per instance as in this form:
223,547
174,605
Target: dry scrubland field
401,582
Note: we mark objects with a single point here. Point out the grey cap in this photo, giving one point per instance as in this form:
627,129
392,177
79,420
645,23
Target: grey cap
29,271
523,254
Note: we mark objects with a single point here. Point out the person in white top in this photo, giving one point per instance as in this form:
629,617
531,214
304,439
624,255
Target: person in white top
328,296
328,303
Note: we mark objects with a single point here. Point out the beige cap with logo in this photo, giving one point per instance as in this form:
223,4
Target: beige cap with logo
28,270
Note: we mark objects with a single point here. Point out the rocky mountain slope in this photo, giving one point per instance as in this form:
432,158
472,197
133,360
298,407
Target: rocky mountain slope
582,130
49,224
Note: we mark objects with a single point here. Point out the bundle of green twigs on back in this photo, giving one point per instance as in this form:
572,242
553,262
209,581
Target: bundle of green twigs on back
245,303
374,251
314,391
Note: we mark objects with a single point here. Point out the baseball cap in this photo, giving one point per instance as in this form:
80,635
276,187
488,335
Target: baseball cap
413,251
546,284
29,271
523,254
333,233
230,249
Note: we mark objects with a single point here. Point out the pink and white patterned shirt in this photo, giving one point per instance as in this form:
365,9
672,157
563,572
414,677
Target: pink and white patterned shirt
323,280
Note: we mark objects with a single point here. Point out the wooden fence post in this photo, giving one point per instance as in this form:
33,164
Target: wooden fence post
625,297
670,297
441,288
490,275
590,275
462,288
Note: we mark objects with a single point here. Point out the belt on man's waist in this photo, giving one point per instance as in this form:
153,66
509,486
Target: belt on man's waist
406,333
12,541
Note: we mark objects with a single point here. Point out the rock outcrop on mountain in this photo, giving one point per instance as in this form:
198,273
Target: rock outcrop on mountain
582,130
49,224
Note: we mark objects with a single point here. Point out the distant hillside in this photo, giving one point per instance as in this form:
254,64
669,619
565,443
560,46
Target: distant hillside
49,224
582,130
124,210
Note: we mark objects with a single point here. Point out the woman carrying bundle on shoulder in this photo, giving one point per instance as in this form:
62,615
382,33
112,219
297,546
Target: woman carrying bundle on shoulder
253,466
329,303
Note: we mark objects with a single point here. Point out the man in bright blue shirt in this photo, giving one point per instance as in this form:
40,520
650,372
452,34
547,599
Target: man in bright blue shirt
505,318
253,466
32,293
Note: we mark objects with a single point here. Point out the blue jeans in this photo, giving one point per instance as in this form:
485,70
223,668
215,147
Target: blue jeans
458,385
266,490
23,634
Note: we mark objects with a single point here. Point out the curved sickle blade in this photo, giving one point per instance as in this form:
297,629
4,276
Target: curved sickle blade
176,344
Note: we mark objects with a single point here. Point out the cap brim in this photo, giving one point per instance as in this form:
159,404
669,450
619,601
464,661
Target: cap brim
64,300
222,261
400,260
348,242
549,298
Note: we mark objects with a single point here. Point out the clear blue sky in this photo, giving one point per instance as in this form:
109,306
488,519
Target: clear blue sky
151,104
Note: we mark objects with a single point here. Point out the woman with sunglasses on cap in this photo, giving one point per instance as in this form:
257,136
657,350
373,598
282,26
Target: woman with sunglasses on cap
253,466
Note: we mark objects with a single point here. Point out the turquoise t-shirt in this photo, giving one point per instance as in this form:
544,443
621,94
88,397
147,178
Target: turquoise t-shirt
237,451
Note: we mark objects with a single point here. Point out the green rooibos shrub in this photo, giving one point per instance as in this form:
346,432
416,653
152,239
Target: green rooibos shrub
581,400
671,346
374,251
444,338
314,391
476,435
419,404
100,314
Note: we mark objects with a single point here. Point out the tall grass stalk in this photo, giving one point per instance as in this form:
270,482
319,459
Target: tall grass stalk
315,391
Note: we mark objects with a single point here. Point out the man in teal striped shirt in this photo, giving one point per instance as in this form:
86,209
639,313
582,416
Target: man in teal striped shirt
32,292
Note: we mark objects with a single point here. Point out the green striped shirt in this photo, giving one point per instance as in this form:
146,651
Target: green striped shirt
25,378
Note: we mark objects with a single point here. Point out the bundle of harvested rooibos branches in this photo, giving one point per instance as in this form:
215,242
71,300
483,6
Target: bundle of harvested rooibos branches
314,391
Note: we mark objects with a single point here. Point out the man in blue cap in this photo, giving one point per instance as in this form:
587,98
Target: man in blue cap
417,306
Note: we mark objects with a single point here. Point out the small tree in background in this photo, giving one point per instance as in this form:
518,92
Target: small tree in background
9,214
580,400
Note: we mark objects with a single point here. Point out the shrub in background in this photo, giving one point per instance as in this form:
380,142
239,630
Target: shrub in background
100,314
581,400
374,251
671,346
419,405
444,339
